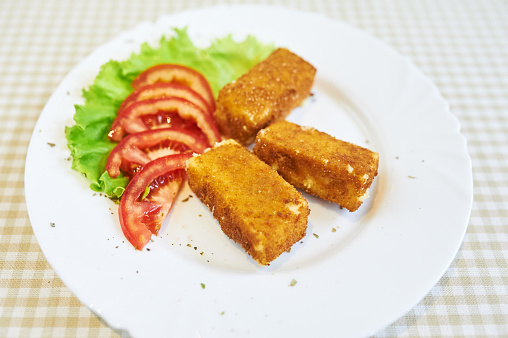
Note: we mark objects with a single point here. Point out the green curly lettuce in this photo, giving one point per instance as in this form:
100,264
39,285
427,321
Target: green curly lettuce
222,62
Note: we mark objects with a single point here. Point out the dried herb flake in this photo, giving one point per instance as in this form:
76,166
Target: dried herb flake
187,198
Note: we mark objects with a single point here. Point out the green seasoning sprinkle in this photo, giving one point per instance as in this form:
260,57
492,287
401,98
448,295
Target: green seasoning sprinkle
51,144
146,192
222,313
293,282
333,229
52,224
316,235
202,285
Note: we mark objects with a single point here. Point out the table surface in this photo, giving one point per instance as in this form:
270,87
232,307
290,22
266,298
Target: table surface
461,45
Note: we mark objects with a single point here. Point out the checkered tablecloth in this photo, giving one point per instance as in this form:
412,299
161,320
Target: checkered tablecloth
462,45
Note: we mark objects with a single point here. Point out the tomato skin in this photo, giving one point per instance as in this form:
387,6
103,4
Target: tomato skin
164,90
130,120
130,150
140,219
174,73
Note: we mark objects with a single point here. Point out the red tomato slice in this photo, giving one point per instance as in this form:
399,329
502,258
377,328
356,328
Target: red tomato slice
162,113
142,217
163,90
137,149
176,74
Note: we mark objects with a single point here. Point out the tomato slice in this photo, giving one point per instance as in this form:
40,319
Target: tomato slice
141,217
163,90
173,73
162,113
137,149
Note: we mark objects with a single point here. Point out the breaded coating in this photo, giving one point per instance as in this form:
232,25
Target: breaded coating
266,93
254,206
337,171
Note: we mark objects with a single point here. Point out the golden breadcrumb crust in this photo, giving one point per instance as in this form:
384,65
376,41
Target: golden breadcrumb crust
254,206
267,92
337,171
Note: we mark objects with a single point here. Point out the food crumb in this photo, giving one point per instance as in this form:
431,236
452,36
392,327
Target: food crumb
147,249
334,230
293,282
52,224
51,144
222,313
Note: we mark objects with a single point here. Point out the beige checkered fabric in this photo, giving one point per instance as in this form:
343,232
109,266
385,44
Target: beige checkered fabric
461,45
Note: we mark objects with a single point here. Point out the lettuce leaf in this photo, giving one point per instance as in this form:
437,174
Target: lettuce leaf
222,62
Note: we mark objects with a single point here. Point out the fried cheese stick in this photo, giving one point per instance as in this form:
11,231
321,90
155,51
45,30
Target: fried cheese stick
266,93
254,206
335,170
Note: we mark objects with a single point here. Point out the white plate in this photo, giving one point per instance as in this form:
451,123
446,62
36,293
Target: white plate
380,261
